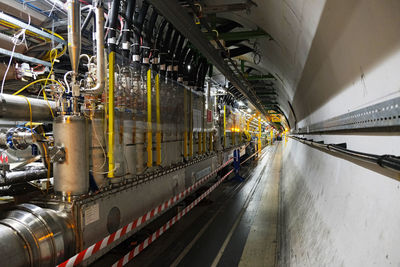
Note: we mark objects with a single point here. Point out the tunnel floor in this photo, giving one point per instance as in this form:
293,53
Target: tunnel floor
235,226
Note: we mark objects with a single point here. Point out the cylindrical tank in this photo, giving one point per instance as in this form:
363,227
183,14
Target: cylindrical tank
98,152
71,177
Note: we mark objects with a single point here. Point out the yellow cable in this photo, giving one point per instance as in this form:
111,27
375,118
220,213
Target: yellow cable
44,147
30,113
48,54
48,168
12,26
48,104
48,77
55,52
37,81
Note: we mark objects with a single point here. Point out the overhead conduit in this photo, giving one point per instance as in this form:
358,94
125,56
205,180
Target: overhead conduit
157,45
126,33
148,36
164,49
170,55
138,21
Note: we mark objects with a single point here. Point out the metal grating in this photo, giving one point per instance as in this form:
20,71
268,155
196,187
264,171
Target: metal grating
384,114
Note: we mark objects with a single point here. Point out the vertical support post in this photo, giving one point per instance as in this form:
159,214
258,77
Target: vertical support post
185,133
149,124
272,136
224,126
204,141
203,133
111,83
259,135
191,126
158,133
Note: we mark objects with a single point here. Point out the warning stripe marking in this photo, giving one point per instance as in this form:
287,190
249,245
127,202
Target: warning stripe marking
93,249
136,251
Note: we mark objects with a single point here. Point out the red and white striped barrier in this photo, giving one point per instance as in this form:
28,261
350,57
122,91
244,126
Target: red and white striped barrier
85,254
139,248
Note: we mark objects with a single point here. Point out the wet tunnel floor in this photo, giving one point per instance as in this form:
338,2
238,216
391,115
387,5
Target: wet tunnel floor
235,226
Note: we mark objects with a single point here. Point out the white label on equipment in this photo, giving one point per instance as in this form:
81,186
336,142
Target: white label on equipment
91,214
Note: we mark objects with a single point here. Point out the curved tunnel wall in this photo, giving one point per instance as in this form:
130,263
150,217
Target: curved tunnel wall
339,212
352,60
336,213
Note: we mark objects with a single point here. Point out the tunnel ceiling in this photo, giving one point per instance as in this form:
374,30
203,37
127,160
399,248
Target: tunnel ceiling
268,40
280,55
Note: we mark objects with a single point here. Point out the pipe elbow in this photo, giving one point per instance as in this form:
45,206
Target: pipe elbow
100,84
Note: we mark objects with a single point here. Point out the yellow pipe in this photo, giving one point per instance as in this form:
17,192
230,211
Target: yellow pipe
224,126
272,135
158,134
259,134
111,62
149,128
204,141
185,133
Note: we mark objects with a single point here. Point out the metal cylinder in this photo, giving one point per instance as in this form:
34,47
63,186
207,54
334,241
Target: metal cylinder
33,236
74,33
17,177
100,59
14,107
71,177
98,161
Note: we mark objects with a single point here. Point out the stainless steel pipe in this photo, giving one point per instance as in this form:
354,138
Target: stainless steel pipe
100,67
33,236
17,108
74,33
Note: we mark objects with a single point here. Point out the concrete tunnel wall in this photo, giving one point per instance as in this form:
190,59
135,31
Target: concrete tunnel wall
339,212
332,57
335,212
